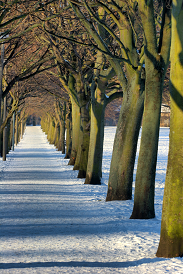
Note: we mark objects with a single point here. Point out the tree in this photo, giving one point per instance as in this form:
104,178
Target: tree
68,131
127,64
60,110
171,238
101,96
156,50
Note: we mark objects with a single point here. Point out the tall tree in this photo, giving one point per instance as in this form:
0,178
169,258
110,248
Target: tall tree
156,50
102,77
171,238
101,96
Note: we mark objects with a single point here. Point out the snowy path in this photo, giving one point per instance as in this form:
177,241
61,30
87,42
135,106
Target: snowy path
50,222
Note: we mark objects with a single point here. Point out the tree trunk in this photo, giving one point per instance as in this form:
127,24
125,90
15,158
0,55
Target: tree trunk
13,132
75,131
62,134
1,91
125,144
51,131
16,132
46,124
84,144
63,127
22,128
155,68
94,167
5,141
59,144
78,156
9,135
69,133
171,238
146,168
60,111
84,134
59,126
49,127
56,133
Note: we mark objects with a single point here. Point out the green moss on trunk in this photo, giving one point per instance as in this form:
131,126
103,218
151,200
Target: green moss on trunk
94,167
146,168
84,134
156,62
125,145
171,238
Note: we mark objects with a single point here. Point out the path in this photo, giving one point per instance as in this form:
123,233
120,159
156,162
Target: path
50,222
44,208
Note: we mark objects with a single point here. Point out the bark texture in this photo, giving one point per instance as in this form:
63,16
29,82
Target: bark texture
75,131
94,167
125,145
84,133
156,62
171,238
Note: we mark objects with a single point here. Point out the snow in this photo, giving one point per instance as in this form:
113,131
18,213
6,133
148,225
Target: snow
50,222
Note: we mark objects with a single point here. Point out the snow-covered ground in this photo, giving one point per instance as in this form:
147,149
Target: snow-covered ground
50,222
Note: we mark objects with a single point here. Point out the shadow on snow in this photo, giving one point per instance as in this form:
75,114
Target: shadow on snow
81,264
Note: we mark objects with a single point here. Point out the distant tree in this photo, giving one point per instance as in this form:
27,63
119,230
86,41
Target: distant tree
60,110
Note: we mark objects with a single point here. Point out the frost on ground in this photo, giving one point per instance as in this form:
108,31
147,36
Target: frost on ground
50,222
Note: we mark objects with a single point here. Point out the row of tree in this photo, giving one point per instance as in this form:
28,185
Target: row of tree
71,59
